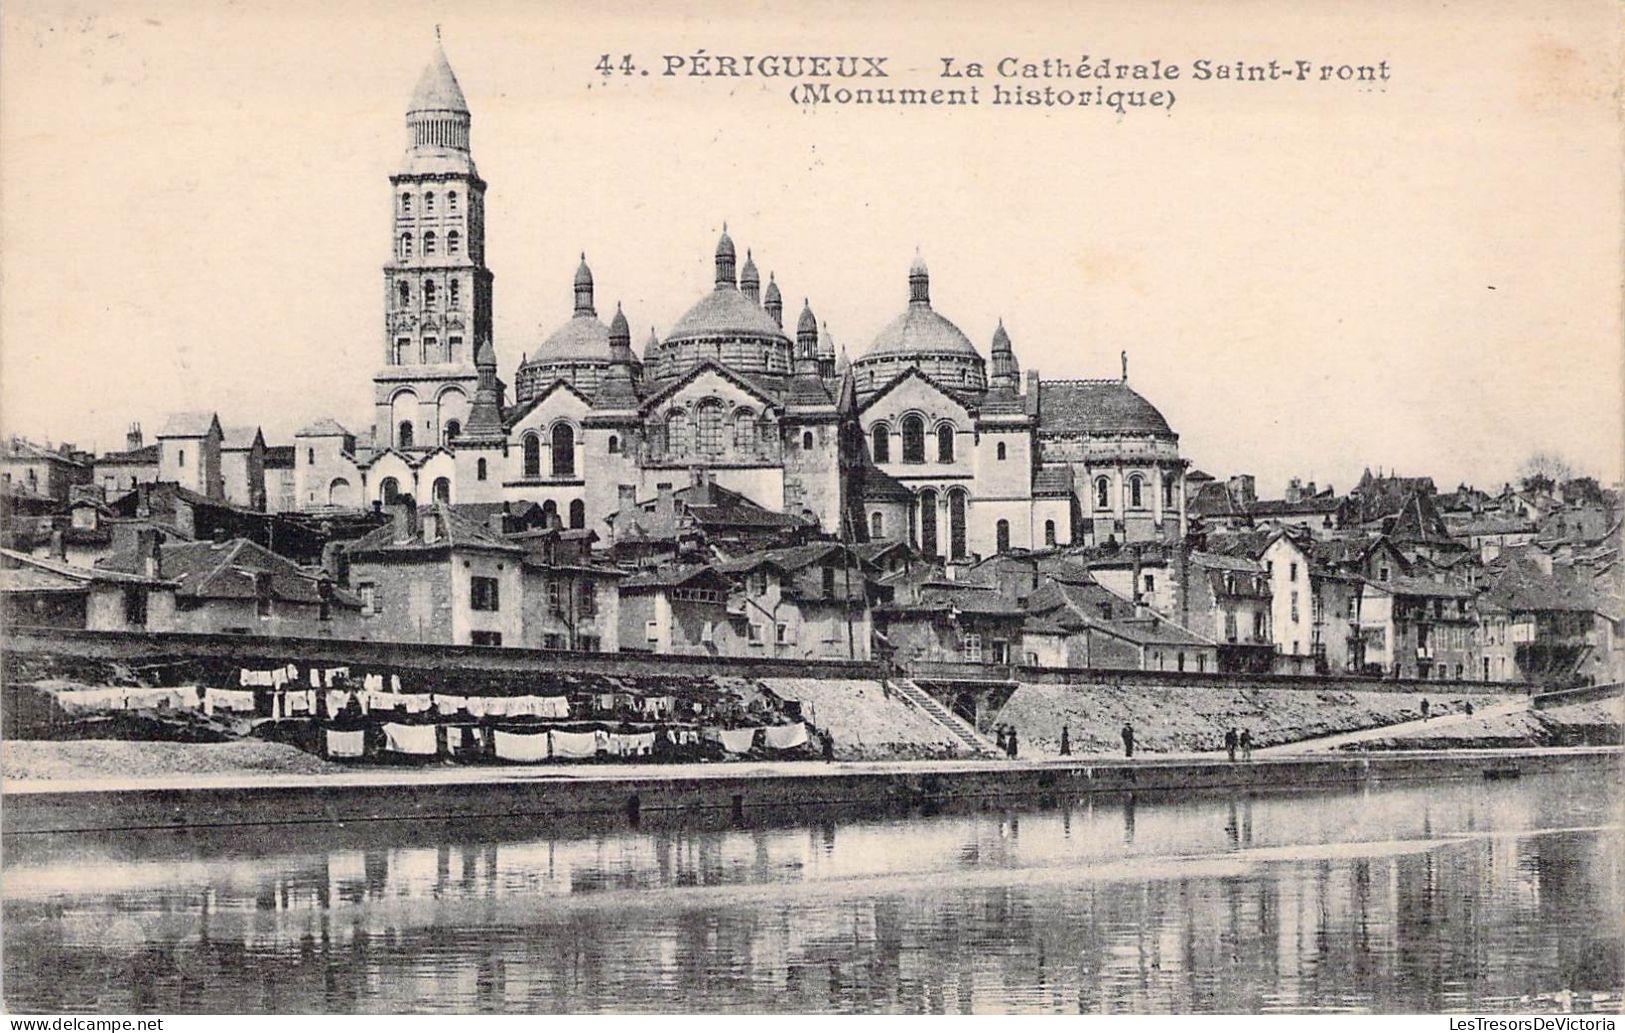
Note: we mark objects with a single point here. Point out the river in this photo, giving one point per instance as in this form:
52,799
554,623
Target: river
1414,897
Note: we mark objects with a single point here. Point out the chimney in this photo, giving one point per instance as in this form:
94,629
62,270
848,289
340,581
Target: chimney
132,437
1242,488
431,524
1032,392
626,496
149,558
59,546
664,501
1294,490
405,517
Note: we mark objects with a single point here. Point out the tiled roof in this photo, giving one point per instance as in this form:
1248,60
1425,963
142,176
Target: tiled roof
789,559
1003,401
455,530
1402,585
188,425
1524,588
48,572
725,312
225,570
147,455
1097,407
920,330
1052,482
669,577
325,427
878,484
583,337
238,438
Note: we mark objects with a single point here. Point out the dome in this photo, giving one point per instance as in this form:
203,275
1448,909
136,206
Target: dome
808,323
1001,339
619,328
583,337
583,274
1099,407
726,313
748,275
920,329
725,244
772,290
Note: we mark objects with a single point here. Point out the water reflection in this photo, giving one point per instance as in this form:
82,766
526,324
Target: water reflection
1422,898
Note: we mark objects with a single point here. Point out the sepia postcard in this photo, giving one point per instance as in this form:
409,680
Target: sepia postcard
812,507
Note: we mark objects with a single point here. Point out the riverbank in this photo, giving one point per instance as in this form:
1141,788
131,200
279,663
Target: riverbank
445,793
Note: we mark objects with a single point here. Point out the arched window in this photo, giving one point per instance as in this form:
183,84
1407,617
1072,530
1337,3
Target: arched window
880,448
533,456
1103,493
451,201
338,492
454,242
806,441
480,470
389,490
1000,451
428,203
455,290
578,514
1167,494
614,444
403,434
1134,499
403,293
550,513
1001,535
453,429
945,443
928,522
677,431
913,439
429,243
564,450
442,489
406,245
877,526
406,204
1049,532
745,431
403,350
429,291
956,525
708,427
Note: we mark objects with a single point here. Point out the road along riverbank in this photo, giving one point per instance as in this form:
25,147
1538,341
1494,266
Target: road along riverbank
33,807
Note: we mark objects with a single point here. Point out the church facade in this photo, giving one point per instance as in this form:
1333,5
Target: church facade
919,438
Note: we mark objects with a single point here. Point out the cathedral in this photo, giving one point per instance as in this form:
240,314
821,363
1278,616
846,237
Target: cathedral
917,438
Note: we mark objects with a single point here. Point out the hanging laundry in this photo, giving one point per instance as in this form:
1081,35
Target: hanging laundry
234,700
734,740
337,701
601,740
315,678
418,740
603,702
333,674
373,683
784,737
573,745
520,747
448,704
78,700
301,702
346,744
415,703
374,700
394,683
553,706
638,745
476,705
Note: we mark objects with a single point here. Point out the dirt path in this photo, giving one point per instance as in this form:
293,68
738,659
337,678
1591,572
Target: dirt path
1335,742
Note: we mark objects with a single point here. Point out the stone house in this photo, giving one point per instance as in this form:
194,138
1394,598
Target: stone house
680,609
41,592
242,466
809,601
1420,628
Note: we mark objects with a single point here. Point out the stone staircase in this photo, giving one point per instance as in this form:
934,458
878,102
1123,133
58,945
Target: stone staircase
972,740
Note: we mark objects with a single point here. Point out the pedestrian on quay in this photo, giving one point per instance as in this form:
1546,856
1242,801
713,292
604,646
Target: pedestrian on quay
1010,743
829,748
1128,739
1424,708
1003,744
1066,742
1230,744
1469,708
1246,744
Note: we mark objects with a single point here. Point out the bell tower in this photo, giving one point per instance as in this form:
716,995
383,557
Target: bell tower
437,300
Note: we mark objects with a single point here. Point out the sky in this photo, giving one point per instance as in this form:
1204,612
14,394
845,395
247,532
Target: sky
1309,279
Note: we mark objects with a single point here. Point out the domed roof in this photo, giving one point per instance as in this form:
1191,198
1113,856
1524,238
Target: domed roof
772,295
583,337
749,275
808,323
1001,339
619,328
583,274
1098,407
725,244
920,329
726,313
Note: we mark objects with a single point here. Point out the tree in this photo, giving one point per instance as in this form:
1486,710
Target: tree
1544,471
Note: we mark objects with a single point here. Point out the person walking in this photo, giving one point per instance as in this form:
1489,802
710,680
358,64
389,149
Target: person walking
1424,708
1246,744
1066,742
1128,739
1001,741
1230,744
1011,740
829,748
